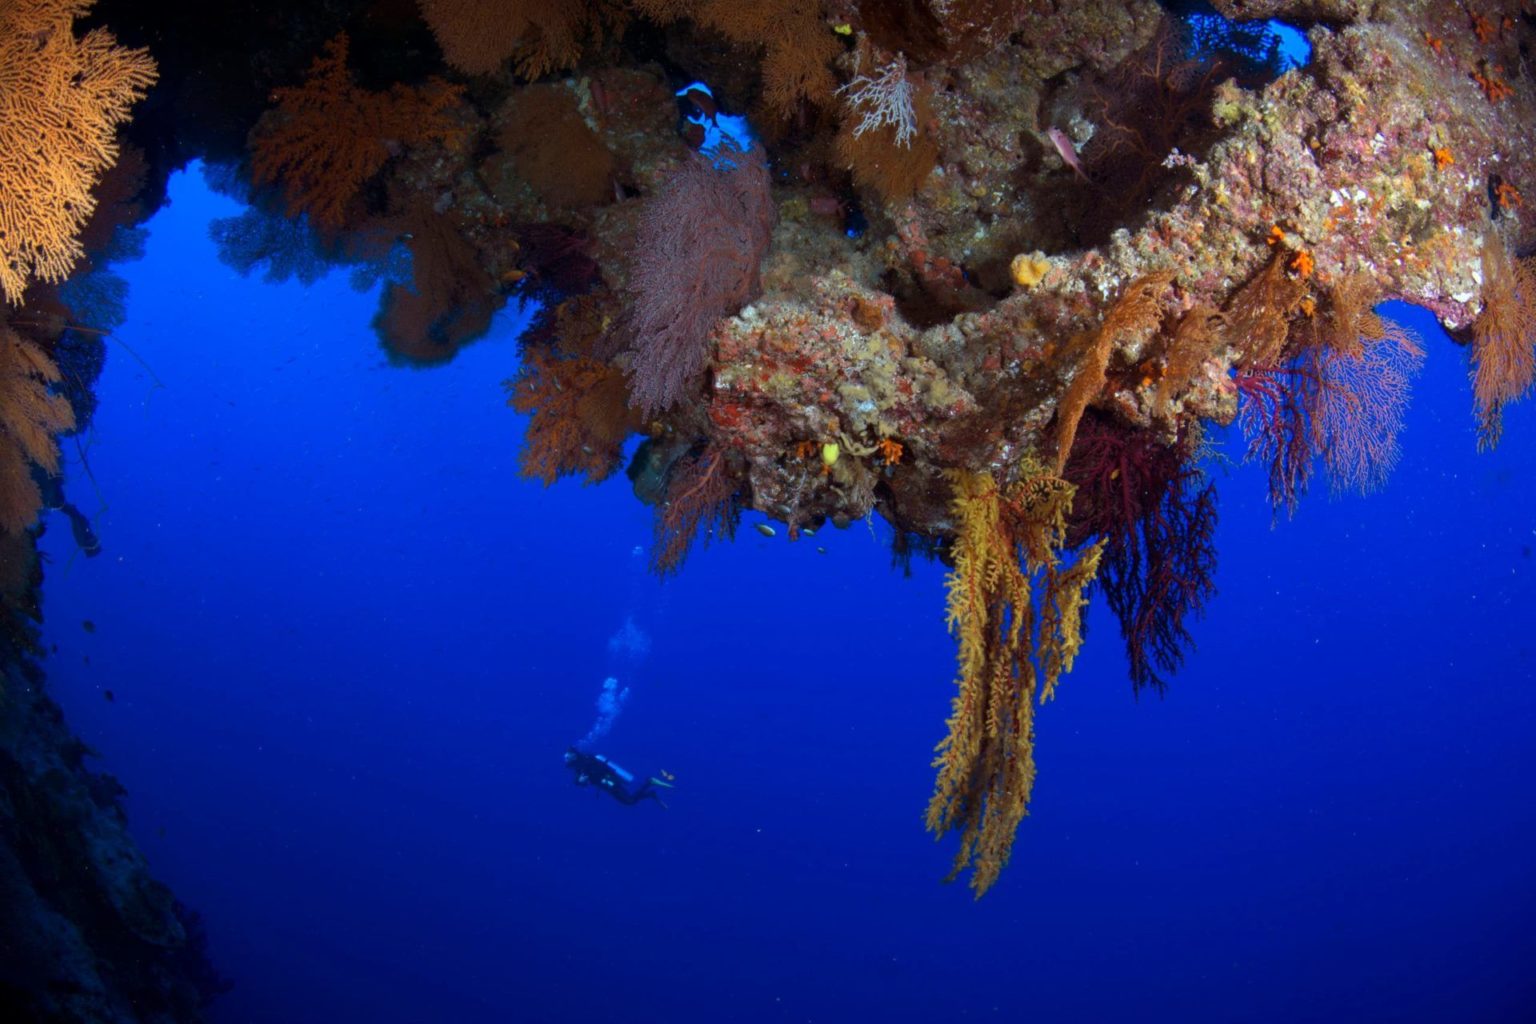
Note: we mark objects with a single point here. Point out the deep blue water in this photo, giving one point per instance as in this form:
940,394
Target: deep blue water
348,645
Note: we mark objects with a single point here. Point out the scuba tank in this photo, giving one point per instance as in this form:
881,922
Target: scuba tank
620,772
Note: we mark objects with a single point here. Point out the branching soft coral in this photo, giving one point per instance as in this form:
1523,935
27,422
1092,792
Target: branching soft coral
61,101
696,259
450,300
1332,384
31,416
1503,338
327,137
1011,649
1138,310
540,36
553,149
700,497
579,412
880,140
1157,515
798,46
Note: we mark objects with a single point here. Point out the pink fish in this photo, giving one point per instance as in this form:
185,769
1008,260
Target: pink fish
1068,151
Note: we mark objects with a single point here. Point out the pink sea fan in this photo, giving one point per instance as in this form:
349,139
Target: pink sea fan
1346,407
696,258
1359,407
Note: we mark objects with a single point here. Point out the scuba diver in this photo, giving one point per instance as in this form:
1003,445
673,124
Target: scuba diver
597,770
52,490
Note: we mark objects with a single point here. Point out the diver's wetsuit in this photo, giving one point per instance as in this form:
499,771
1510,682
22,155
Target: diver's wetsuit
52,489
597,770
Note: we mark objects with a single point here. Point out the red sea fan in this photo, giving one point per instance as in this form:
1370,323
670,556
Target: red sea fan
700,497
696,258
557,259
1273,411
1157,513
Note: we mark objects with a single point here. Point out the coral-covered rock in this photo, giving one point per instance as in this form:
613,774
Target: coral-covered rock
88,933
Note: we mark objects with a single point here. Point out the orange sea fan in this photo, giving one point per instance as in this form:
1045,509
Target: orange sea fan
451,297
61,101
580,416
478,36
1257,319
1503,338
797,45
1137,310
553,150
31,416
327,137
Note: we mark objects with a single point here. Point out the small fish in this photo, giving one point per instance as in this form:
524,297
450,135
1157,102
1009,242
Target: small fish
111,697
766,530
821,551
88,625
807,531
1066,150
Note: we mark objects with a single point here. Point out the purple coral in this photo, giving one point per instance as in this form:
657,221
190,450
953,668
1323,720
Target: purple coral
1345,407
696,258
1157,514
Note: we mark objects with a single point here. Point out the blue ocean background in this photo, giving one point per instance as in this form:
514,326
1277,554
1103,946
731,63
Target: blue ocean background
347,645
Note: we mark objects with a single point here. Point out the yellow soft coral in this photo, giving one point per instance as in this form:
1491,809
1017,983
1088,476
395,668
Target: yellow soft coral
1007,644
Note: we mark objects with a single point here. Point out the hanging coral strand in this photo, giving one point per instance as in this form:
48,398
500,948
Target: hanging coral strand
1010,646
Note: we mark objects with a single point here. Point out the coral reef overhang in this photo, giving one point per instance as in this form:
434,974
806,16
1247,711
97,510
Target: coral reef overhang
1374,159
970,228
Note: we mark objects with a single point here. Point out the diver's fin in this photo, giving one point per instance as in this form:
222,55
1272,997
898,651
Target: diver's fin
661,782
